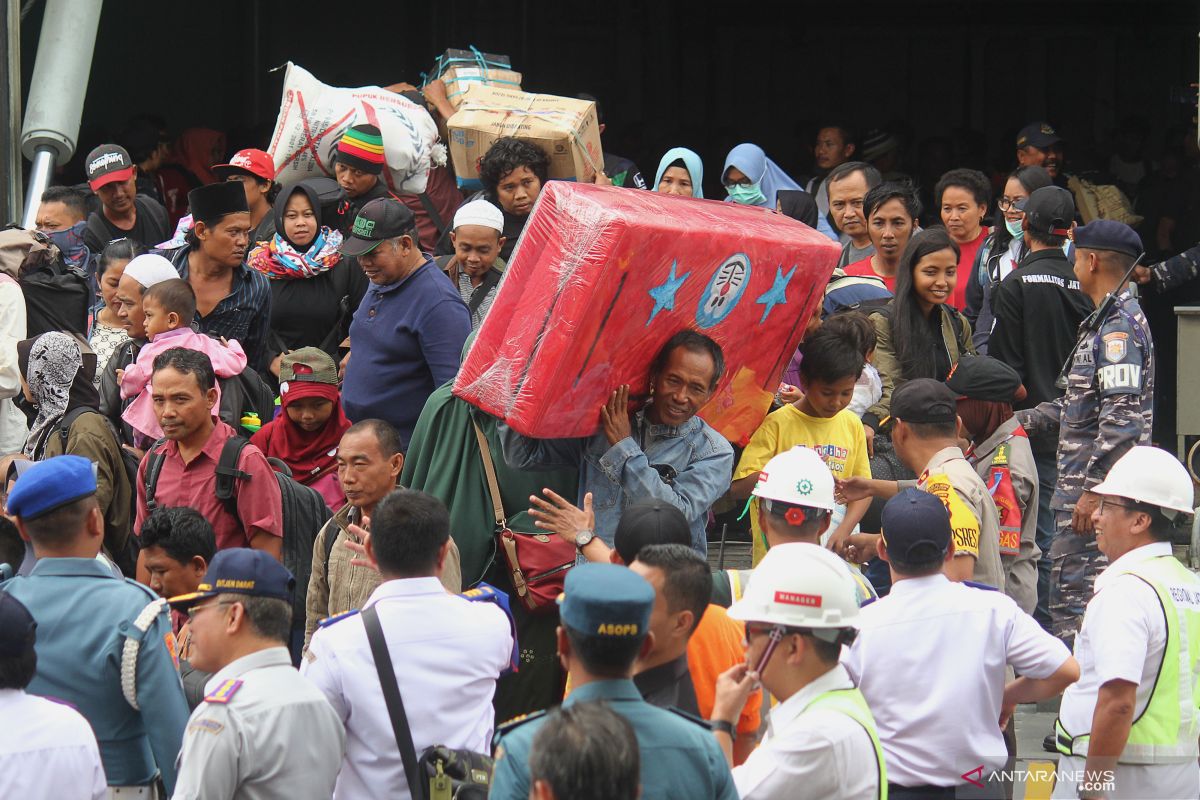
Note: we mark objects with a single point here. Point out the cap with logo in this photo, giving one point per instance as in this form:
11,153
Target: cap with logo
1049,210
379,220
799,585
361,147
798,477
256,163
924,400
307,372
606,601
240,570
108,163
1038,134
51,484
210,203
1108,234
916,527
18,630
985,378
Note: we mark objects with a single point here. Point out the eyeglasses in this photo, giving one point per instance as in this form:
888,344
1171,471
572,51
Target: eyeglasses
1110,504
1009,203
194,610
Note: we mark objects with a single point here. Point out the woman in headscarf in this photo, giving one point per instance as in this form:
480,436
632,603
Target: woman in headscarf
752,179
306,435
314,289
797,204
1000,452
680,172
56,375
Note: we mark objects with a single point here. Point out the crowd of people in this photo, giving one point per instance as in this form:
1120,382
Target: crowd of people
257,548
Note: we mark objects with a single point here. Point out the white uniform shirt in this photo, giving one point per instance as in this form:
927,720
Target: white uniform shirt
47,750
447,653
930,659
273,737
822,754
1122,637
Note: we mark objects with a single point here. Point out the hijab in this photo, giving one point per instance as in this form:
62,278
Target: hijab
691,162
309,454
282,258
753,162
981,418
59,374
799,205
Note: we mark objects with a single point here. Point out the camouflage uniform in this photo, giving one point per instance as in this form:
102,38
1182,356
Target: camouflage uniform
1175,271
1107,409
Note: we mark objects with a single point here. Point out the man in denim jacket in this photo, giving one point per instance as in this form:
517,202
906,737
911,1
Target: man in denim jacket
663,451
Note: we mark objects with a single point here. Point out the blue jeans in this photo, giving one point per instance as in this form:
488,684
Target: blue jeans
1047,470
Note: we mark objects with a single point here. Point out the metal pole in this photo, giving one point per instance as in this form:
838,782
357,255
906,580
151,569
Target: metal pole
10,113
721,552
57,90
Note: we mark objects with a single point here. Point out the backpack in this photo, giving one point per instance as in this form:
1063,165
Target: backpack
304,510
58,297
245,393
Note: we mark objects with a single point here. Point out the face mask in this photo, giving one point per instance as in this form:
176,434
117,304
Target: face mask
70,243
746,194
1014,228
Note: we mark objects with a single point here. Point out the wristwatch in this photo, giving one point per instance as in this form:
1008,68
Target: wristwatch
723,726
582,538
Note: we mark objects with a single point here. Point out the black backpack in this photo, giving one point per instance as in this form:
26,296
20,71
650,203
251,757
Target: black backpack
57,297
244,393
304,510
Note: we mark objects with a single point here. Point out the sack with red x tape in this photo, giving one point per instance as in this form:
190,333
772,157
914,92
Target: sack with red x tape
313,117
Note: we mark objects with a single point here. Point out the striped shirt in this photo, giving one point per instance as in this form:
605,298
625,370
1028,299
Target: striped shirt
244,314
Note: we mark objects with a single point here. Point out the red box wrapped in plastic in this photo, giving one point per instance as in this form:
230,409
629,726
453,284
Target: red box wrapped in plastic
603,277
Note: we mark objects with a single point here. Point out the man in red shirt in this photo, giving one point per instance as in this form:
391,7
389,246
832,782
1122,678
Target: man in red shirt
185,402
891,210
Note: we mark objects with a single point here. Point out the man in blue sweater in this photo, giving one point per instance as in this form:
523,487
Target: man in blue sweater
409,330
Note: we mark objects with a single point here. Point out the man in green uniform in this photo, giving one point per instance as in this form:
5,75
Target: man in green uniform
605,616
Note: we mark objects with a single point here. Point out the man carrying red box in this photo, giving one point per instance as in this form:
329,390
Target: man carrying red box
662,451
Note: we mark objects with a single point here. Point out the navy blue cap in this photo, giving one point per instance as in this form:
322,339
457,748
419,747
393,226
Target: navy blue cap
1108,234
924,400
240,570
17,627
1038,134
605,600
916,527
51,484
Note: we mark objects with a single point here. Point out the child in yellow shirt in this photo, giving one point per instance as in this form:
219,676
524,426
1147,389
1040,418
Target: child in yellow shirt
819,419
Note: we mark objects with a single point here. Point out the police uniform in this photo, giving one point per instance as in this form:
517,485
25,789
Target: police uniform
105,643
1107,409
262,732
680,759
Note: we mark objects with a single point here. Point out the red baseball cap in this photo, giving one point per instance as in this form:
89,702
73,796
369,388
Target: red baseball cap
107,164
247,162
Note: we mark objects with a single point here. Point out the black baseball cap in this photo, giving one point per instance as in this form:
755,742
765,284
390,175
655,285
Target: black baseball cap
17,627
1108,234
916,527
1049,210
651,522
1038,134
924,400
240,570
985,378
108,163
377,221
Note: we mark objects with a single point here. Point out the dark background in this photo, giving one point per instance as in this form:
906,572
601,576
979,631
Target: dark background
669,73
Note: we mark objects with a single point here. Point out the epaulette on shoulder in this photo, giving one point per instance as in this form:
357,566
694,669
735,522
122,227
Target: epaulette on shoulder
516,722
143,588
976,585
703,723
223,693
325,623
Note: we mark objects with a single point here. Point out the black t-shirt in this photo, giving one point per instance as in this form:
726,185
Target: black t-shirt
150,227
623,172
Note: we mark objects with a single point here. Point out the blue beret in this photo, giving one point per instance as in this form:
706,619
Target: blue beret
51,484
1108,234
605,600
240,570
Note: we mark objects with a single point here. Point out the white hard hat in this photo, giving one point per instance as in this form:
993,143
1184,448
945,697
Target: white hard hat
798,476
799,585
1151,476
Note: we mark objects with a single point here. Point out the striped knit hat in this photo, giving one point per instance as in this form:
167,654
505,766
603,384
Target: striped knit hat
361,147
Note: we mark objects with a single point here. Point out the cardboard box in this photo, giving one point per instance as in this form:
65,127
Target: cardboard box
458,78
603,276
565,128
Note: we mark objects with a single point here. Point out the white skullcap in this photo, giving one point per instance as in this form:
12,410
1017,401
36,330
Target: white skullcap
150,269
480,212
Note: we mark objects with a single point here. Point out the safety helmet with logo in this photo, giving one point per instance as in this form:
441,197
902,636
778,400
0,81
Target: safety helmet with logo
1151,476
800,585
798,477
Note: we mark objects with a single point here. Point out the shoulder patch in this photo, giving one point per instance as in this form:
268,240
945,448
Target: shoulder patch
223,693
206,726
337,618
703,723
